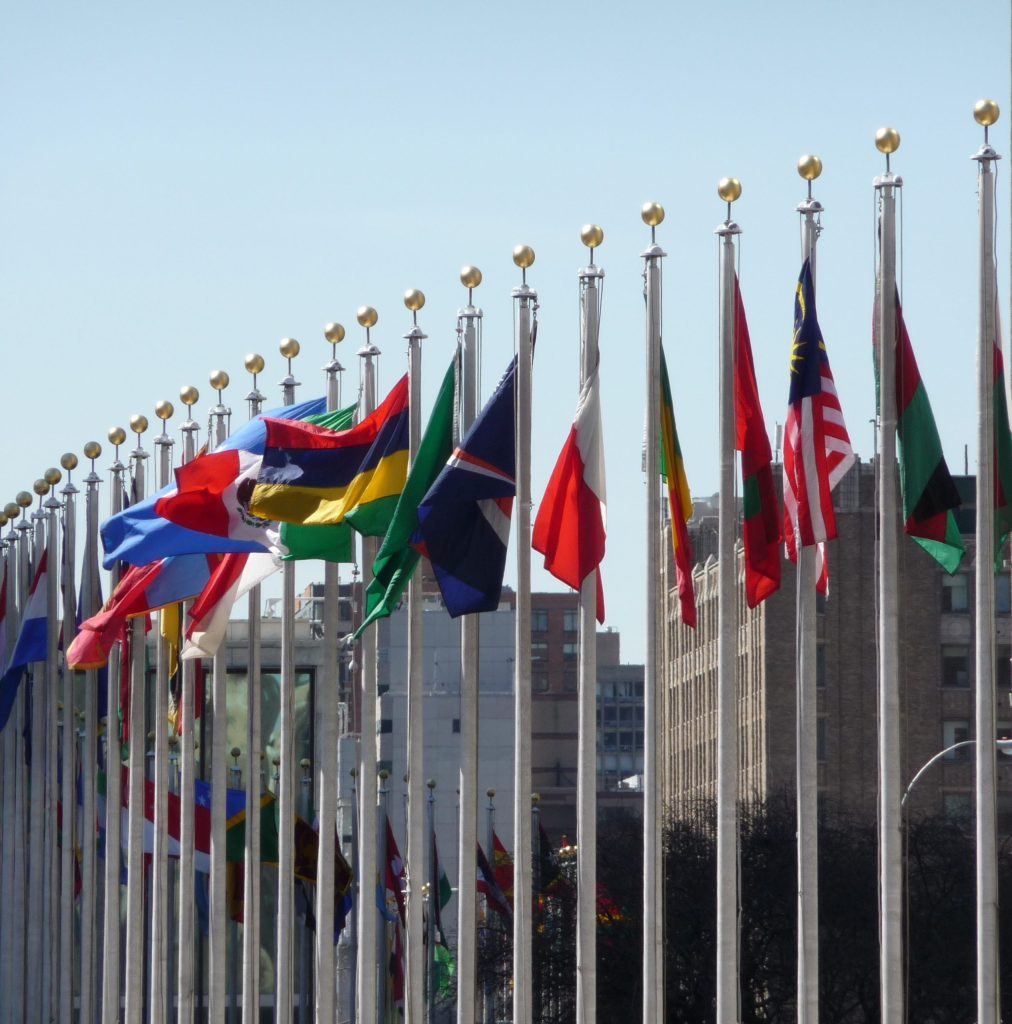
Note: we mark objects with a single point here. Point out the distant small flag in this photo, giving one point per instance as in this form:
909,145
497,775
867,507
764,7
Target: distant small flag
32,642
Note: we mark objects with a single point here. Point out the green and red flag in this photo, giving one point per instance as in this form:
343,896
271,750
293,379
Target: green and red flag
761,529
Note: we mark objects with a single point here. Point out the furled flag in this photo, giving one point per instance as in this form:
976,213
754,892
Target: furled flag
570,526
464,519
761,530
311,475
32,642
929,494
503,867
440,885
489,887
1002,452
394,875
396,559
3,623
141,533
679,500
817,452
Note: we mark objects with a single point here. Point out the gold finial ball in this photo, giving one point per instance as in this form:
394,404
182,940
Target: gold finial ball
289,348
809,167
367,316
24,499
52,476
887,140
164,410
92,450
189,395
116,435
305,763
470,276
235,752
985,112
254,363
729,189
652,214
40,487
414,299
219,380
334,333
592,235
69,461
12,509
138,423
523,256
3,519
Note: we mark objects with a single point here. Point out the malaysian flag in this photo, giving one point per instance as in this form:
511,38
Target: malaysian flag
817,452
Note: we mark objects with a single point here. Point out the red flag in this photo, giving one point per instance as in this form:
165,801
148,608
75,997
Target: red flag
394,874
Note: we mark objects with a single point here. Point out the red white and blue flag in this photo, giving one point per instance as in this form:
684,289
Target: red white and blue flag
32,643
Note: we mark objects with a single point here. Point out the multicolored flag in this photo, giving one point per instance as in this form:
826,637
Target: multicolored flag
32,642
570,526
489,887
464,519
679,500
394,875
761,528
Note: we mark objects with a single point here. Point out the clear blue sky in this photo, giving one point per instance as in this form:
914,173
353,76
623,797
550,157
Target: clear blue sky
182,184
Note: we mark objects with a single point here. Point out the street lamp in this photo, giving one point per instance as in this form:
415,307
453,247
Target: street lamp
1003,745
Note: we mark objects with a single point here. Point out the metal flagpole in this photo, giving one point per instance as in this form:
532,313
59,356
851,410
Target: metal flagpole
305,980
469,331
728,984
235,775
653,214
284,976
430,1016
219,426
367,967
382,857
988,981
7,802
111,953
414,300
251,929
160,909
591,284
807,717
68,827
135,779
890,788
527,312
189,396
490,992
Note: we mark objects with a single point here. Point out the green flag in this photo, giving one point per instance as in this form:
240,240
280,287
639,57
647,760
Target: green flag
397,559
235,833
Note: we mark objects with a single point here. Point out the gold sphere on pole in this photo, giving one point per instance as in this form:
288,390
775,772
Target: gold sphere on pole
523,256
809,167
289,348
219,380
334,333
164,410
116,435
12,509
24,499
52,476
254,363
470,276
986,112
92,450
414,299
367,316
887,140
3,519
69,461
138,423
729,189
189,395
40,487
592,235
652,214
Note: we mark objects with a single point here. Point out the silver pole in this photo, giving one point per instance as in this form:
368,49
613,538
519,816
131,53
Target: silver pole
383,855
430,1016
235,773
527,306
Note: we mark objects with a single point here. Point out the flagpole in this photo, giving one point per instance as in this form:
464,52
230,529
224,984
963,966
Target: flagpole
383,856
367,967
469,333
890,846
527,307
653,983
988,981
591,281
434,896
189,396
111,930
489,993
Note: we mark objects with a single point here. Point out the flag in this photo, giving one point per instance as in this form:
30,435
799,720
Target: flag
439,893
502,865
679,500
141,534
396,559
32,642
929,494
489,887
548,863
1002,452
394,875
570,526
464,519
235,827
311,475
817,452
761,528
3,622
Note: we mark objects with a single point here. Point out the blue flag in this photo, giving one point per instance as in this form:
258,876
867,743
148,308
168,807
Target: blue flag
464,519
32,643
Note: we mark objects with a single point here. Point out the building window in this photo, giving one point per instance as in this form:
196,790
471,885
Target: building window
955,730
956,665
386,725
569,682
610,713
1002,669
539,651
955,592
820,740
957,806
570,652
571,620
539,682
820,665
539,620
1002,596
456,725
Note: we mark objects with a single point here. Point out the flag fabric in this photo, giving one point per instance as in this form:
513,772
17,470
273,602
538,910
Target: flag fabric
141,534
396,560
761,529
3,622
817,451
548,863
311,475
440,893
679,500
464,519
394,875
235,827
929,494
1002,452
32,642
502,865
489,887
570,526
